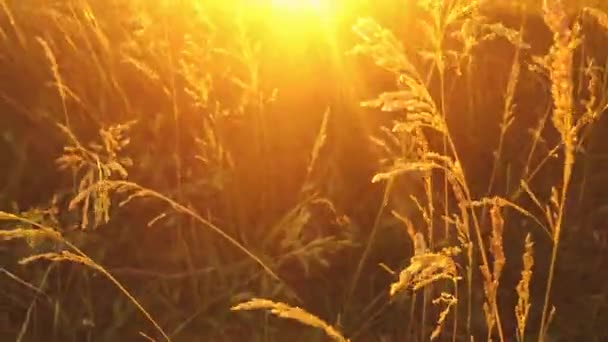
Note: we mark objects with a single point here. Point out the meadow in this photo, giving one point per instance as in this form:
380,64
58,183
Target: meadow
284,170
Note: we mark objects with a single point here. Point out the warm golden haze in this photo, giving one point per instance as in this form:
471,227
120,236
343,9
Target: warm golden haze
300,5
303,171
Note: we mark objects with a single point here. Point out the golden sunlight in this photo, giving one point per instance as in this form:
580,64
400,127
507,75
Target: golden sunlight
299,5
294,22
302,11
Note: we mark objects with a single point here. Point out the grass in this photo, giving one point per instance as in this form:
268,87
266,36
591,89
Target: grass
421,175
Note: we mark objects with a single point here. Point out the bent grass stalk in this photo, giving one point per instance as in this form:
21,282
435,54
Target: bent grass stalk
78,257
522,308
139,191
560,66
422,112
285,311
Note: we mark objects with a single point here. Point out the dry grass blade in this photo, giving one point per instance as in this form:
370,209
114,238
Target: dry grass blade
319,142
283,310
11,18
86,261
34,234
507,117
79,257
315,154
496,243
16,278
382,46
29,234
449,301
425,269
61,256
600,16
502,202
4,216
560,65
523,289
28,314
138,191
491,279
57,76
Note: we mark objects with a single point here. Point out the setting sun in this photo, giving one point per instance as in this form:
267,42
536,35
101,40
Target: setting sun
289,16
304,10
299,5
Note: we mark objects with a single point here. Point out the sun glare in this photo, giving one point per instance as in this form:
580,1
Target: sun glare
303,9
298,20
299,5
